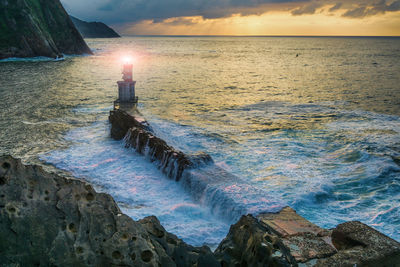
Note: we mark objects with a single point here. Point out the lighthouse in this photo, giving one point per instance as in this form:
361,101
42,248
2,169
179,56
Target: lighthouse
126,88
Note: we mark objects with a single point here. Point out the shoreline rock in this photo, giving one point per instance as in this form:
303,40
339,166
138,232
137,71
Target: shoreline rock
49,220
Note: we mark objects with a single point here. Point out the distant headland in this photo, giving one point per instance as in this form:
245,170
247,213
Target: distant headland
94,29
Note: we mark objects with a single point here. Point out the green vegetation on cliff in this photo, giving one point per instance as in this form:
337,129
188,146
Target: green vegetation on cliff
37,28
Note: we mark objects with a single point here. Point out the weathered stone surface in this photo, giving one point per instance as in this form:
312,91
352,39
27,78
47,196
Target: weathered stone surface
287,222
349,244
287,239
249,243
177,250
361,245
48,220
121,121
304,240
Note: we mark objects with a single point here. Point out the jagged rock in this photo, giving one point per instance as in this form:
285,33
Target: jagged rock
359,244
287,239
176,249
49,220
94,29
37,28
249,243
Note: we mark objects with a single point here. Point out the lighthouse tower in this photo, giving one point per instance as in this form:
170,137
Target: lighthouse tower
126,88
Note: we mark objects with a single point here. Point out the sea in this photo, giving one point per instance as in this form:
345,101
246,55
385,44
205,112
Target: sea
308,122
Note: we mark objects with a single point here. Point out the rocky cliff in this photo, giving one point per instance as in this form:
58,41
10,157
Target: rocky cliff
94,29
49,220
31,28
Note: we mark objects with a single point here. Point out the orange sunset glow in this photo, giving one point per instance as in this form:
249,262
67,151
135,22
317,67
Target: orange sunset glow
276,23
262,17
320,23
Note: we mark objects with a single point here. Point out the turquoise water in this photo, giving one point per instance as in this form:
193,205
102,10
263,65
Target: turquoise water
312,122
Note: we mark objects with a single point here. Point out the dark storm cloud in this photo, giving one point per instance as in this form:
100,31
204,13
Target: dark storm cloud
162,9
121,11
115,11
373,9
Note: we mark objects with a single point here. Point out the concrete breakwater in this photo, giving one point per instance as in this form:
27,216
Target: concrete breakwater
207,183
137,134
300,241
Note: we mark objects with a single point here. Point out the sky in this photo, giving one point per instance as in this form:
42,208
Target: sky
243,17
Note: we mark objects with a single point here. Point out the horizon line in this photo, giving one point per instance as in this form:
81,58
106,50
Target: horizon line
227,35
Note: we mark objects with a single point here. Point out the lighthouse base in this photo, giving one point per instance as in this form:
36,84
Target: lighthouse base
118,104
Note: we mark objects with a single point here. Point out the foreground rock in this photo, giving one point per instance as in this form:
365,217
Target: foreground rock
37,28
48,220
94,29
287,239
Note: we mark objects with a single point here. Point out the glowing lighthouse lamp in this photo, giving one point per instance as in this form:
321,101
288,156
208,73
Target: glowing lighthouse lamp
126,88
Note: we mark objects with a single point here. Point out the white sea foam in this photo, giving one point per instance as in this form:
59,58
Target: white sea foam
345,170
137,185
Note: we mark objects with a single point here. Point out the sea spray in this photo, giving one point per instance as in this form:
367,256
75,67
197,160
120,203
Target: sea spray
225,194
136,184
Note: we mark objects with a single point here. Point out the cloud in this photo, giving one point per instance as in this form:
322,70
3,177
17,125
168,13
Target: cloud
179,21
307,9
119,11
380,7
335,7
132,11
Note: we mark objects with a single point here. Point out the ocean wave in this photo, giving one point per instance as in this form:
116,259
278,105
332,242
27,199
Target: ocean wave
341,170
136,183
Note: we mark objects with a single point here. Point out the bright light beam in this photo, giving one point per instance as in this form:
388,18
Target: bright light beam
127,60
